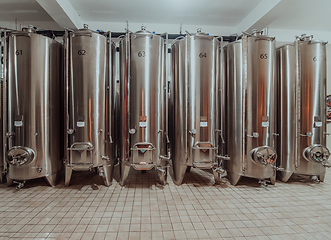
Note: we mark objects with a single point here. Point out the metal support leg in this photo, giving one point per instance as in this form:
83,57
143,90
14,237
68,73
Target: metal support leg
234,178
273,179
321,177
284,176
179,172
52,179
163,173
124,172
107,173
68,173
9,182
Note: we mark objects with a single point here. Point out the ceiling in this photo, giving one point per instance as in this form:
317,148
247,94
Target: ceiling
206,12
22,10
218,16
305,15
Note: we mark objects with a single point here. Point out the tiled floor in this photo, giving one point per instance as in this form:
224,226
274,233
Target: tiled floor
300,209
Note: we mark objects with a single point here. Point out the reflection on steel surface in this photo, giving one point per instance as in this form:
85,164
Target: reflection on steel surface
250,119
301,108
194,130
143,98
34,128
90,104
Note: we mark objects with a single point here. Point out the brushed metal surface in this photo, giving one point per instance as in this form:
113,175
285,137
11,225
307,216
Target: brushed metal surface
90,104
302,94
143,103
35,93
195,67
250,103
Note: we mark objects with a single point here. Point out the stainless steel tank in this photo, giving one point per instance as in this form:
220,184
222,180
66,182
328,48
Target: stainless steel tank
34,124
250,129
89,102
195,83
143,117
302,111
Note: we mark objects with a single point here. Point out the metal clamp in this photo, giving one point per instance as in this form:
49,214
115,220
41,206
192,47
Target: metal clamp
226,158
220,133
87,146
278,168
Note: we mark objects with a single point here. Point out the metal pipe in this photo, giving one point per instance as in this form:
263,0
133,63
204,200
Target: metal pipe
110,79
127,48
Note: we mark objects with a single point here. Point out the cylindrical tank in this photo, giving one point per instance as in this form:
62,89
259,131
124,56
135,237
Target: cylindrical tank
194,87
143,119
90,109
34,127
302,110
250,108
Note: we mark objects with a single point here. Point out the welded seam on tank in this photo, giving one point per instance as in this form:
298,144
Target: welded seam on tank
297,98
186,97
244,106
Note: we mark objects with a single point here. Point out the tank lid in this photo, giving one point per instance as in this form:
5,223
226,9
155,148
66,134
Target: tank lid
309,38
199,33
143,31
29,28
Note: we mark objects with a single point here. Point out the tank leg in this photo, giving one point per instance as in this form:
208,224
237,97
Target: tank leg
284,176
273,180
163,174
188,169
234,178
179,172
1,176
51,179
9,182
108,174
124,173
68,172
217,177
321,177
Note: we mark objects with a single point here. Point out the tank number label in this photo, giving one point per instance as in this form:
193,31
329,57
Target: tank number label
202,55
203,124
82,52
80,124
264,56
265,124
18,123
19,52
318,124
141,54
142,124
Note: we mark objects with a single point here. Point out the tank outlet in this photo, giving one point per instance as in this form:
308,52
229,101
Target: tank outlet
132,131
70,131
10,134
263,155
316,154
